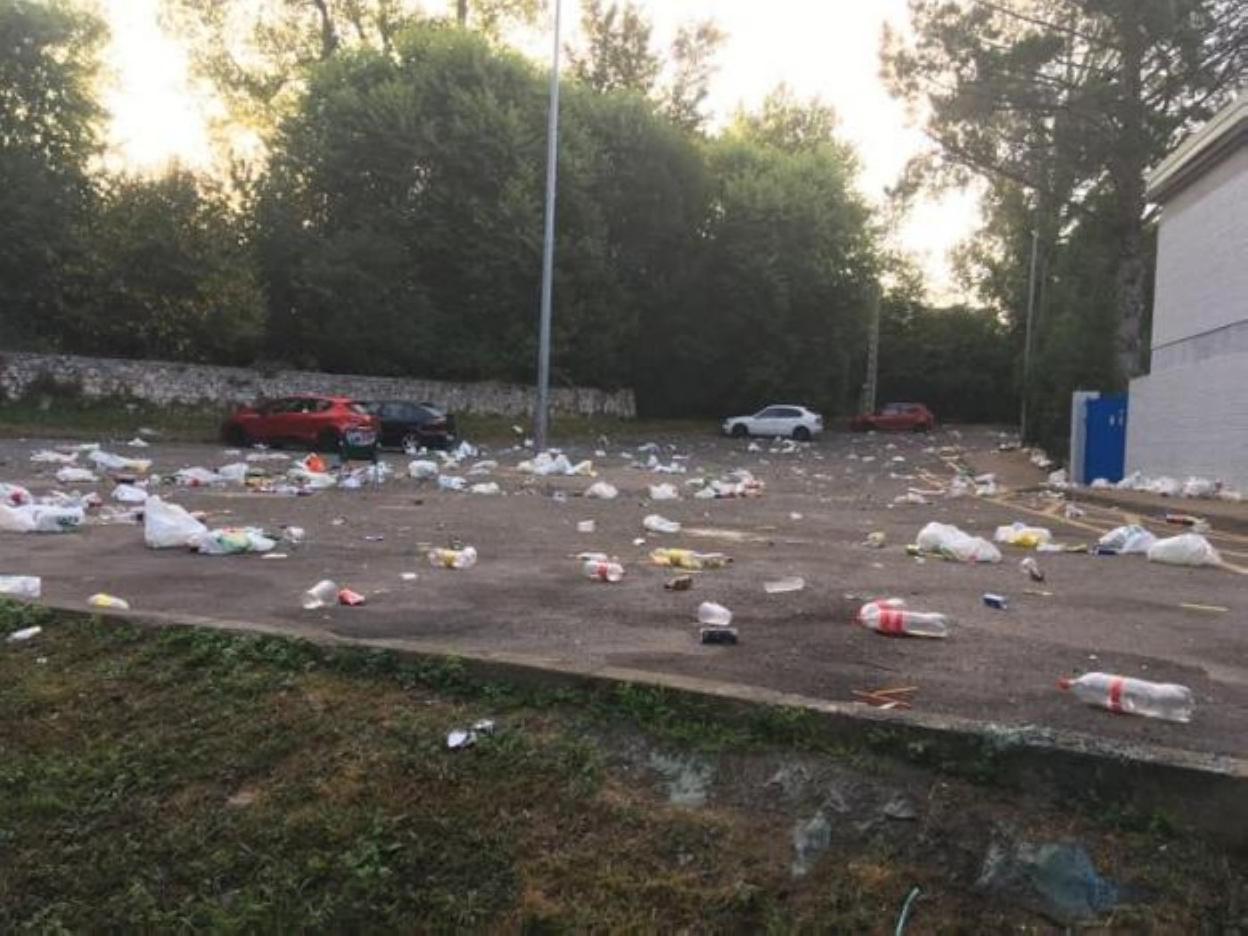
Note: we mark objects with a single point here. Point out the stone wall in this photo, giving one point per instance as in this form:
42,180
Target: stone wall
164,382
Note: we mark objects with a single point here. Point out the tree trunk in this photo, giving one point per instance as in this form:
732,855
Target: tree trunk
1128,167
329,35
461,12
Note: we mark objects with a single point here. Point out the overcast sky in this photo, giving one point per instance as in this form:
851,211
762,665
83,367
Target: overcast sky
827,48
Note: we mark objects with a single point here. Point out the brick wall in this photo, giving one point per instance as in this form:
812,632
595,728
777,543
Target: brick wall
163,382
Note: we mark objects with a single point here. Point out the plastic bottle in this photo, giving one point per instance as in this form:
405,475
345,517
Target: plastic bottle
1169,701
714,615
1032,569
319,595
602,571
890,616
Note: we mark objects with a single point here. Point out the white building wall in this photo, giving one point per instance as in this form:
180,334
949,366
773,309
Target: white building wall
1192,420
1202,257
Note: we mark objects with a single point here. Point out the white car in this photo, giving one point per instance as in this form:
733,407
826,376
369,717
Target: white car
794,422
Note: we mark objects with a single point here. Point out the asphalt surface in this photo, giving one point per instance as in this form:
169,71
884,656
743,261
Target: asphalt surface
527,596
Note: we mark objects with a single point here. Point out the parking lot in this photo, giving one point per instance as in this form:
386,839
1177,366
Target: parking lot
527,596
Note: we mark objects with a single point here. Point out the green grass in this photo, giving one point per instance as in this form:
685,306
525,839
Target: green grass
155,780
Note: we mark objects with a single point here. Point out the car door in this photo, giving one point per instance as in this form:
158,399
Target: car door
267,425
787,420
765,421
889,417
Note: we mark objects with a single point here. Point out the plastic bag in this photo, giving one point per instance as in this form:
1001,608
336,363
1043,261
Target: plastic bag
1199,487
68,475
110,462
1189,549
167,526
452,483
1019,534
657,524
952,543
661,492
40,518
602,490
235,473
14,495
129,494
49,457
232,540
1128,539
198,477
21,586
488,488
422,470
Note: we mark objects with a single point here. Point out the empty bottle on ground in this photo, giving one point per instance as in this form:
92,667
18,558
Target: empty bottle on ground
603,571
1169,701
714,615
890,616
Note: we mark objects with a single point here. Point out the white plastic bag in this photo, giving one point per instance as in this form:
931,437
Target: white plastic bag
1199,487
110,462
1188,549
235,472
422,470
129,494
488,488
40,518
14,495
952,543
452,483
660,492
167,526
21,586
656,524
1019,534
602,490
197,477
68,475
1128,539
233,540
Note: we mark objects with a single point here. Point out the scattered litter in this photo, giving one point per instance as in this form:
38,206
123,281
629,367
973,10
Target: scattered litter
712,614
40,518
294,535
197,477
21,586
679,583
1032,568
1212,609
661,492
602,490
688,559
408,576
1128,539
912,497
603,571
110,462
487,489
951,543
167,526
129,494
1059,478
781,586
719,635
656,524
586,526
1196,524
898,697
1037,593
795,515
546,463
319,595
906,907
448,558
422,470
230,541
876,539
466,738
267,456
1073,511
1187,549
49,457
351,599
26,633
102,600
891,617
1019,534
68,475
993,600
452,483
14,495
1168,701
275,555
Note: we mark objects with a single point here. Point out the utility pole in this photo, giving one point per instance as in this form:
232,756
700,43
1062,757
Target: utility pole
873,354
1031,307
541,419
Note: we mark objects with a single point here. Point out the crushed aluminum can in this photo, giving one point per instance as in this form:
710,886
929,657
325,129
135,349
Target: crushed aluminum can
459,739
996,601
719,635
679,583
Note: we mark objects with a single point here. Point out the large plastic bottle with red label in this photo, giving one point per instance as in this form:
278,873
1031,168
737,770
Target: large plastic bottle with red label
890,616
1133,696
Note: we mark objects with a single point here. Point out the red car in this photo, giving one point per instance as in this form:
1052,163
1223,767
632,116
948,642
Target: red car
902,417
312,421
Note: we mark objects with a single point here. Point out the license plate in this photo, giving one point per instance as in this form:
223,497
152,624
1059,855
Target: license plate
361,438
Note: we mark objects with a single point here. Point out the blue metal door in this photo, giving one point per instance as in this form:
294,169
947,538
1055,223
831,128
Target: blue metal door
1107,438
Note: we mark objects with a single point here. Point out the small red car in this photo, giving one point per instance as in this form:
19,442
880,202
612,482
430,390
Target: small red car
902,417
322,422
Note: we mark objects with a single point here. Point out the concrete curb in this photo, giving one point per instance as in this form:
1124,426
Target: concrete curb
1205,792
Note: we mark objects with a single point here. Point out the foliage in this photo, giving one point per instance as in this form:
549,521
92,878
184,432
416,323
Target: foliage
168,274
1062,108
48,119
617,54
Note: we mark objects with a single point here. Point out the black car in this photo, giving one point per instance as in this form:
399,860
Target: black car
413,425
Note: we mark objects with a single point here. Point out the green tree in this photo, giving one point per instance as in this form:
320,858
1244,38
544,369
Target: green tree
617,55
1071,102
169,275
48,121
693,65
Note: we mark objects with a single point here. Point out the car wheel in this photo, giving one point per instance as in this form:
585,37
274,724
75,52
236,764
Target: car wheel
329,441
801,434
411,442
235,436
739,431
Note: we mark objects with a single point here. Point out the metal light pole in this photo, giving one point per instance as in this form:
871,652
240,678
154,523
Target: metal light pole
1031,305
541,419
